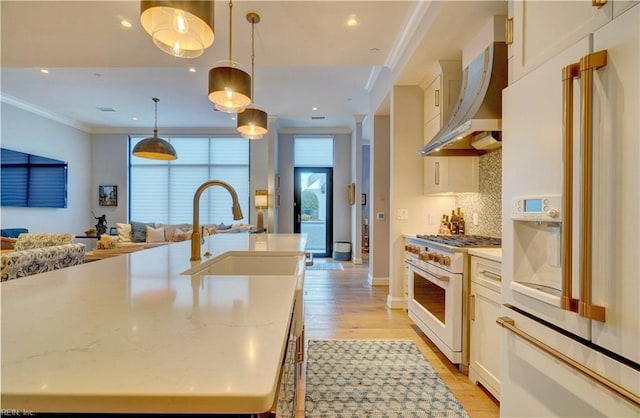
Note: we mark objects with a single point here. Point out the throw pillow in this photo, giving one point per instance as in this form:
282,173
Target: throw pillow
178,235
154,234
222,227
124,232
139,231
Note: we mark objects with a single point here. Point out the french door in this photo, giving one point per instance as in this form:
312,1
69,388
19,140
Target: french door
313,207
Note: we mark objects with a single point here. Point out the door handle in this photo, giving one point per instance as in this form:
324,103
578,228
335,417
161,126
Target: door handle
569,73
472,307
437,174
588,64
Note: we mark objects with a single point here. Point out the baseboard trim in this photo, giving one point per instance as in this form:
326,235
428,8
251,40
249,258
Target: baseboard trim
357,260
378,281
396,303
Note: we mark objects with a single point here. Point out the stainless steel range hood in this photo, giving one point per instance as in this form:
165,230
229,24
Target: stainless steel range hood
474,126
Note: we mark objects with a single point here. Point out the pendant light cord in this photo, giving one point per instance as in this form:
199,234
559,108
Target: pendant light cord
253,59
155,126
230,28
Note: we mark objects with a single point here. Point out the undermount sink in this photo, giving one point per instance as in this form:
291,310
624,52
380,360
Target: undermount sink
265,264
251,263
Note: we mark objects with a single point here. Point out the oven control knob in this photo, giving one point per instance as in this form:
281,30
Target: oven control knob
432,256
437,258
446,260
553,213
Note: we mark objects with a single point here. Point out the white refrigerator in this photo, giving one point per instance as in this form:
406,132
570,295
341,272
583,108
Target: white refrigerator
570,336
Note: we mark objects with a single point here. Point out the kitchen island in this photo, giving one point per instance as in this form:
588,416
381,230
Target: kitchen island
133,334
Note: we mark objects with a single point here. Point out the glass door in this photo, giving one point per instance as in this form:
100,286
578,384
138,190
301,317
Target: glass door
313,207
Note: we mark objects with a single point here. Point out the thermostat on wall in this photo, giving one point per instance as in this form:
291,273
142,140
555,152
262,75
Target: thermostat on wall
380,216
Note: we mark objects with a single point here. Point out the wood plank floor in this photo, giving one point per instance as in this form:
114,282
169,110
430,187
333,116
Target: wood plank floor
342,305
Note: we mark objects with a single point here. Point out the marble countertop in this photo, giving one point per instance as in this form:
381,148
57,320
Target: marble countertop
494,254
132,334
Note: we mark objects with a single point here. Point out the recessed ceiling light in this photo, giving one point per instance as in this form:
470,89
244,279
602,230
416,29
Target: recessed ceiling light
135,118
314,108
44,71
233,118
192,69
125,23
352,20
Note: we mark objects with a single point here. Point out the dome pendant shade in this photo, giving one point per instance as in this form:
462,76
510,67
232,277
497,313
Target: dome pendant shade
183,29
155,148
229,89
253,123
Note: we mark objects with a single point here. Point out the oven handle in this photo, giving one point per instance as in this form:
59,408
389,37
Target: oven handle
440,278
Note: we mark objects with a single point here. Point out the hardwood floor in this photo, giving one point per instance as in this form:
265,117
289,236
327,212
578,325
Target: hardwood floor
342,305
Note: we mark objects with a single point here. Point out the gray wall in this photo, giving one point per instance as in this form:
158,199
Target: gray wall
27,132
341,178
110,166
379,202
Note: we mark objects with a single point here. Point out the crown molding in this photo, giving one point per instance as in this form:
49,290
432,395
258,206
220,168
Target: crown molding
10,100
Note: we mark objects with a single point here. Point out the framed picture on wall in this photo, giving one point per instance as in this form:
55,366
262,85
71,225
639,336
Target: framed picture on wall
108,195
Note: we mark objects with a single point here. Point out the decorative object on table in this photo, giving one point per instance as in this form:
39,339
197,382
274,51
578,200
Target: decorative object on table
101,226
108,195
253,122
261,202
154,147
229,85
91,232
183,29
385,378
107,242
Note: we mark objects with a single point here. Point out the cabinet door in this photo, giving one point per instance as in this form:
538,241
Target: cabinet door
432,100
484,335
435,175
544,28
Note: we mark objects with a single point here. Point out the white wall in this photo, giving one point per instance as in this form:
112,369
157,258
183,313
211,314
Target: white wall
27,132
110,166
423,213
379,200
341,178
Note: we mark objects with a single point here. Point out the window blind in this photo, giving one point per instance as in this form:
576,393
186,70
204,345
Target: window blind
313,151
162,191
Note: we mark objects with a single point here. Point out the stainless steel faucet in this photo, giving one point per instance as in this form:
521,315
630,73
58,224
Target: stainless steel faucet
195,235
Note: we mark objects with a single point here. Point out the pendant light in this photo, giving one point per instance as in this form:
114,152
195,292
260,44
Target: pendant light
180,28
155,148
229,86
253,122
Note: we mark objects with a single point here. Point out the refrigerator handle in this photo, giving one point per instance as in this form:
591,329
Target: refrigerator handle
588,64
569,73
510,325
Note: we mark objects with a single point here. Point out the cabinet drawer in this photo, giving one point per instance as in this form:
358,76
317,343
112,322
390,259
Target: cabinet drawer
487,273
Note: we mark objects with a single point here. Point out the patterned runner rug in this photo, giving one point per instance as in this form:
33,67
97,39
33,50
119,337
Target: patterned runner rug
322,265
380,378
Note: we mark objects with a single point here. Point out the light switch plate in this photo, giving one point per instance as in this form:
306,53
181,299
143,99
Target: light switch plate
402,214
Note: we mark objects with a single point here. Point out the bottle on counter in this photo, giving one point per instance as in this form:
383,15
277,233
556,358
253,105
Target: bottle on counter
444,226
461,223
453,222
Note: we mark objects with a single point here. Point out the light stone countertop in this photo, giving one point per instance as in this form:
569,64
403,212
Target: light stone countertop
131,334
494,254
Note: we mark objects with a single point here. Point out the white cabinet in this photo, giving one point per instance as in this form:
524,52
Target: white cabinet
484,333
451,175
541,29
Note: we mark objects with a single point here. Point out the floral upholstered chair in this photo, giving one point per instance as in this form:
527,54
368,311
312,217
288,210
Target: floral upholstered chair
30,241
40,252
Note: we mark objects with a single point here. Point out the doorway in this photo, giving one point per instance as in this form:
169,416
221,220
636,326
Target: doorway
313,207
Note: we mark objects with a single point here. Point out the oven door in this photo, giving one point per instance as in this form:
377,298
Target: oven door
435,305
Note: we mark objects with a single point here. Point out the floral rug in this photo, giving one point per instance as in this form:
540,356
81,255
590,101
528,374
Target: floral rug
379,378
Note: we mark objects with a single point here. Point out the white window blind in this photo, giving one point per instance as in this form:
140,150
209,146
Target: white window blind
162,191
313,152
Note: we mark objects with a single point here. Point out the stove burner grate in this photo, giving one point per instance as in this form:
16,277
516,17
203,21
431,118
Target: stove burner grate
463,241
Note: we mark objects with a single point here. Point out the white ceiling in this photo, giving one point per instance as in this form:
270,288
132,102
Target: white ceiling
306,56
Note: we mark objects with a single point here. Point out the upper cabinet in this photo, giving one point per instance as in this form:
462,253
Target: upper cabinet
445,174
540,30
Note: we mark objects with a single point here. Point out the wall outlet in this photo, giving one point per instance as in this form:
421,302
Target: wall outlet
402,214
475,218
380,216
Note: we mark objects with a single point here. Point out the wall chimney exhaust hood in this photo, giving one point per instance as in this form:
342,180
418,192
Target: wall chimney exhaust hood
474,126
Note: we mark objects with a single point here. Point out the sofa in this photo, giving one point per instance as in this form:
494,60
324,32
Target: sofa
153,234
38,253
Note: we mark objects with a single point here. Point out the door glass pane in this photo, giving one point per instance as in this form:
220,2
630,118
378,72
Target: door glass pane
313,216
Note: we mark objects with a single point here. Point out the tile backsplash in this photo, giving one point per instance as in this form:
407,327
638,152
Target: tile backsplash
488,202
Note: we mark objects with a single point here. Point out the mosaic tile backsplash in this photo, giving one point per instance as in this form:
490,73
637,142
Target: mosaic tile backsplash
488,202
